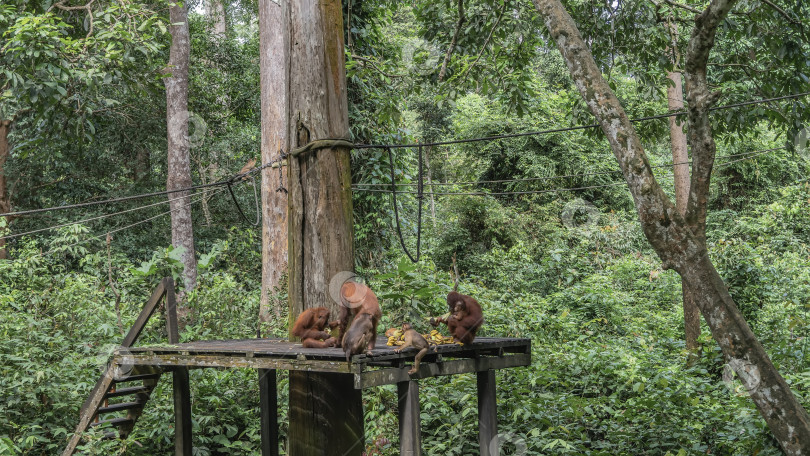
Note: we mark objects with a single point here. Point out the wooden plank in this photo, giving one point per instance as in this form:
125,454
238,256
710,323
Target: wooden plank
487,414
182,412
326,415
268,406
410,426
451,367
270,347
88,410
199,361
143,318
172,327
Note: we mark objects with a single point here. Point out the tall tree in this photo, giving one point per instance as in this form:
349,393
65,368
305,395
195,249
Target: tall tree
5,200
54,57
675,238
215,10
680,169
274,43
321,237
177,115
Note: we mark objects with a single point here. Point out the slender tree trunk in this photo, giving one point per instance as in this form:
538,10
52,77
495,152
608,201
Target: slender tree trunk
665,228
5,200
680,157
326,414
179,173
452,47
274,61
430,185
215,10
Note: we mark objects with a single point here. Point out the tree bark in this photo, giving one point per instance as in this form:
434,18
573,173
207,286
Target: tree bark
454,40
215,10
680,168
5,200
320,248
665,228
274,61
179,171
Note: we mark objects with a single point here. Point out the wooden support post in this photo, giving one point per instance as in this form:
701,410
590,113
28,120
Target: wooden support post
410,427
487,414
268,406
172,325
326,411
326,415
180,380
182,412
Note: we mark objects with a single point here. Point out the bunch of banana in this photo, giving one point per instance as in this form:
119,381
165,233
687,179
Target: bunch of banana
395,337
436,338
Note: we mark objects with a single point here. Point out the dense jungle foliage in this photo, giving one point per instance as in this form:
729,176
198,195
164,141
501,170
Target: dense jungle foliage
571,270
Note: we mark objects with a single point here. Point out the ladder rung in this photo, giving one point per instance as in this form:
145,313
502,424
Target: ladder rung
133,378
119,407
113,422
127,391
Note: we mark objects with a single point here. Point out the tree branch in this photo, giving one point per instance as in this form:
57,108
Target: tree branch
682,6
700,99
484,47
88,7
781,11
453,42
662,224
372,64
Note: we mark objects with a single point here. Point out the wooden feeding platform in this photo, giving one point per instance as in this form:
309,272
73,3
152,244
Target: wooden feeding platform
139,368
383,367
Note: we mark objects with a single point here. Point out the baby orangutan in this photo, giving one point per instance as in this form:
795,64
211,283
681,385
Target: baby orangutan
310,327
415,340
465,319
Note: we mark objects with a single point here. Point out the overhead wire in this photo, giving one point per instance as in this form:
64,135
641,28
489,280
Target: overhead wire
131,225
747,156
98,217
566,129
383,146
533,179
220,183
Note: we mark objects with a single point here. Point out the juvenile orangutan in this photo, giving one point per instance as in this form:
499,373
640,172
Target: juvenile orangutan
310,327
358,299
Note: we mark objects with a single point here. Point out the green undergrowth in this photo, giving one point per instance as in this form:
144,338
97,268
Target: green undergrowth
608,373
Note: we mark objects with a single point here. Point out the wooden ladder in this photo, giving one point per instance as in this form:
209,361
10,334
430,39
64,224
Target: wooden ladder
138,381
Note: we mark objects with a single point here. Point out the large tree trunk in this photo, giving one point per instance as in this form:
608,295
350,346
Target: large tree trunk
179,172
215,10
665,228
680,158
274,62
321,250
5,200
